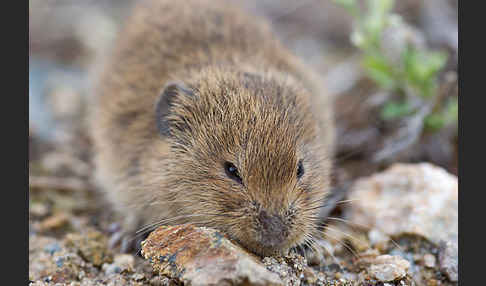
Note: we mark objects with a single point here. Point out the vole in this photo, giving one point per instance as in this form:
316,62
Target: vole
202,116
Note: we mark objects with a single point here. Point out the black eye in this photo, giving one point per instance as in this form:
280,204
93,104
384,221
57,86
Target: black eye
300,170
232,172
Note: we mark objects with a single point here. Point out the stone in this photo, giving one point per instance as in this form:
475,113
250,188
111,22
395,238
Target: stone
203,256
92,246
429,260
291,268
55,221
449,260
420,199
387,268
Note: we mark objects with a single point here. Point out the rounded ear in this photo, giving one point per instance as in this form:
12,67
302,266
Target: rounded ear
162,107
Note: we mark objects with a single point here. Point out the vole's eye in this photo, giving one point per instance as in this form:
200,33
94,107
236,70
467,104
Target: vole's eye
232,172
300,170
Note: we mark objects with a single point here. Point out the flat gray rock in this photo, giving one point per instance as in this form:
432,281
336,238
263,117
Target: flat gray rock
420,199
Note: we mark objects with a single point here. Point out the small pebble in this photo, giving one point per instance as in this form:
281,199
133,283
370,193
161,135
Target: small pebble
59,262
81,275
54,222
52,248
91,245
429,260
38,209
111,268
448,260
125,261
388,268
138,277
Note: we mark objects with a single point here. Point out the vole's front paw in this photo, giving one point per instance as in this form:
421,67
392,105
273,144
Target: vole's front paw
124,237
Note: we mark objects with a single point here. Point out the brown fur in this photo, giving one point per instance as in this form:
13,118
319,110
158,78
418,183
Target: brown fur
246,100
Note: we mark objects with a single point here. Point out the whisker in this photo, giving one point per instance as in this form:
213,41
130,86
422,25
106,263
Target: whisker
363,226
322,243
347,201
312,244
349,222
343,244
345,234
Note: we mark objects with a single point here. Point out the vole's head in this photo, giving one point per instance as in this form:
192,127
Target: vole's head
245,157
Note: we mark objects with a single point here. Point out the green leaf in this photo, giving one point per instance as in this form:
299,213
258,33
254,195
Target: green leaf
417,70
380,71
394,110
448,115
421,69
346,3
434,121
378,11
350,5
451,112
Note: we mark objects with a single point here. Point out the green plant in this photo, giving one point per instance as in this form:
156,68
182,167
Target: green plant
411,73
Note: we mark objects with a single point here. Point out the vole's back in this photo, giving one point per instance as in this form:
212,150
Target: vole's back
168,40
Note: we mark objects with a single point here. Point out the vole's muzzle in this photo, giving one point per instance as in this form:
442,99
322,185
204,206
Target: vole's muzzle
274,231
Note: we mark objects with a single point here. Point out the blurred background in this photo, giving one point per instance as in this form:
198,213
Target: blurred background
392,67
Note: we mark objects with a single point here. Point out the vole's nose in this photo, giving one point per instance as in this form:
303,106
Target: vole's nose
273,229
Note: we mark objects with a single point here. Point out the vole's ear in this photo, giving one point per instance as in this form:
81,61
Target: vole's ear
164,103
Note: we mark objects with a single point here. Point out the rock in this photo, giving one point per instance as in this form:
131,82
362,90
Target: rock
138,277
420,199
161,281
55,221
121,263
375,237
92,246
52,248
203,256
38,209
125,261
50,261
290,268
310,276
429,260
111,268
448,260
387,268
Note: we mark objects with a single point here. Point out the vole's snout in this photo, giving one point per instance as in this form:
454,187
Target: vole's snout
274,231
